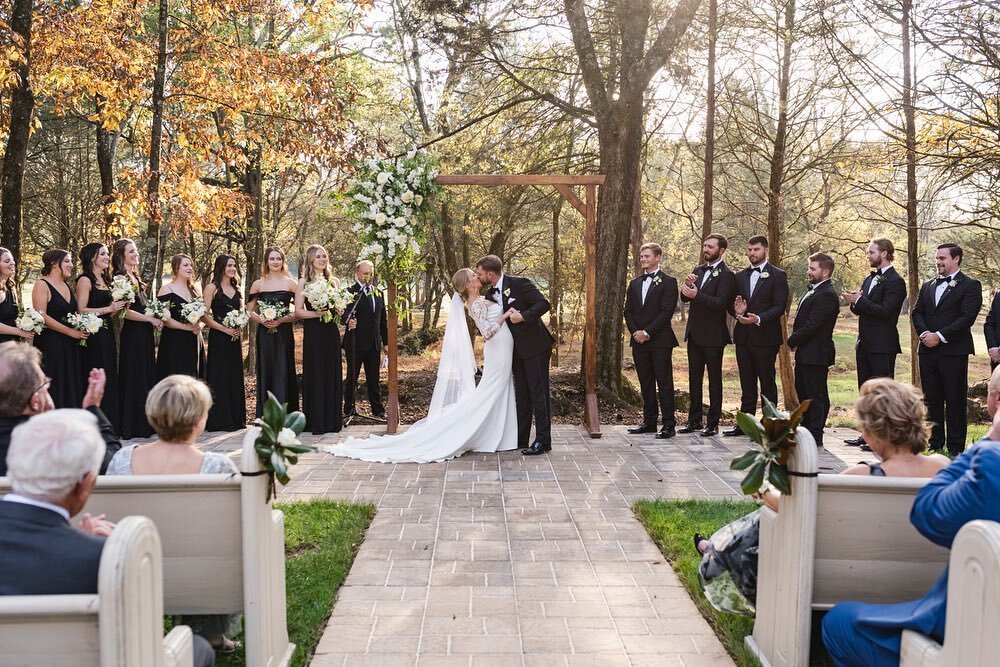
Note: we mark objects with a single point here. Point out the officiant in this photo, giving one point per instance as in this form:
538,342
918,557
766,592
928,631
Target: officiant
366,340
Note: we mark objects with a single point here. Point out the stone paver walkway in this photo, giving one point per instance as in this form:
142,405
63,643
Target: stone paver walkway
500,559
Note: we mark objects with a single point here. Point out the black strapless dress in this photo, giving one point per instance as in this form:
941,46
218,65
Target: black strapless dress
322,375
8,315
62,356
224,371
136,372
180,352
276,358
102,352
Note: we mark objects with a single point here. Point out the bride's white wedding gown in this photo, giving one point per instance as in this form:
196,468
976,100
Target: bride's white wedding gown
484,420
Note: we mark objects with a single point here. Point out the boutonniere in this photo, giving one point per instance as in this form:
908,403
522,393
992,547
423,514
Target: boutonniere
879,279
808,294
506,292
952,283
764,274
715,274
657,280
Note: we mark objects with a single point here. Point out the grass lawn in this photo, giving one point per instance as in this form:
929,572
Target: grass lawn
321,540
671,524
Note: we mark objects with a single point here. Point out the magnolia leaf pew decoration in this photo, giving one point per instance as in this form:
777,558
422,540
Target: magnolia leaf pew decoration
776,436
278,445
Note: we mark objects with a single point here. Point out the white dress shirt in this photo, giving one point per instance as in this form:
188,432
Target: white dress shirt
939,290
498,297
708,273
755,277
646,284
875,280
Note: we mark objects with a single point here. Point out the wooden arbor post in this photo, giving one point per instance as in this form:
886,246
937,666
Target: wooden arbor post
587,207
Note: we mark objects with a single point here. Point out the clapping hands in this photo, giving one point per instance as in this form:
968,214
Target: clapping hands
688,289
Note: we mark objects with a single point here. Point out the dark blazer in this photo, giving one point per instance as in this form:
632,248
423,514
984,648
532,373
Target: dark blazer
531,337
706,325
41,554
953,316
372,331
655,315
992,327
812,331
769,302
878,313
111,442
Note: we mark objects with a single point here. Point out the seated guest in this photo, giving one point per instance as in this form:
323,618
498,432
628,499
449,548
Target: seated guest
24,391
892,419
177,409
857,634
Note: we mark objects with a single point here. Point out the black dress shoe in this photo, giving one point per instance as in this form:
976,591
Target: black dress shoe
643,428
734,431
709,432
689,428
667,433
854,442
536,449
866,448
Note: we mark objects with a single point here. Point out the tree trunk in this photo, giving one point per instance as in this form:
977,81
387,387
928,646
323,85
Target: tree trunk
22,105
912,243
555,289
253,249
107,146
636,233
713,30
152,251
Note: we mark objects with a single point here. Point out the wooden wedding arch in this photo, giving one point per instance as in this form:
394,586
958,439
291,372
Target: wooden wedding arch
587,207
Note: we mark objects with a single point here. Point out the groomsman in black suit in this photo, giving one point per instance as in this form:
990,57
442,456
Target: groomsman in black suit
992,331
710,290
649,308
366,339
761,299
877,305
943,317
812,342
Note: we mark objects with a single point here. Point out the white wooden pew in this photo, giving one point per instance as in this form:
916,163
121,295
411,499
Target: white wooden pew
223,547
838,537
972,622
121,626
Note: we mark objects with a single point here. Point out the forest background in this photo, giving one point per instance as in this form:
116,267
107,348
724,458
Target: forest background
230,125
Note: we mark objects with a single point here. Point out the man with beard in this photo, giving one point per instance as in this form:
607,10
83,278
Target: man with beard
710,290
943,316
877,305
761,298
812,343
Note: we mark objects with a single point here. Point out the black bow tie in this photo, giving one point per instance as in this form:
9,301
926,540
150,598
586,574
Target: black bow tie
876,272
943,280
493,291
755,269
647,276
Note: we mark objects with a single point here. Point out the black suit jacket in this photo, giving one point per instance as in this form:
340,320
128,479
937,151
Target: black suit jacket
111,442
41,554
812,332
372,331
953,316
878,313
706,325
531,337
768,302
653,316
992,327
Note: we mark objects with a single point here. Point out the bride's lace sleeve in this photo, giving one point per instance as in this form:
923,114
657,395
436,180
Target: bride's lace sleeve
478,311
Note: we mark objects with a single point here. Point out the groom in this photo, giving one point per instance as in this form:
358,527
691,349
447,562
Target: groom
532,350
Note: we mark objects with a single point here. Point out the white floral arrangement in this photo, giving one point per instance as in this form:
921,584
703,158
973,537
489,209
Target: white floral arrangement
389,200
319,293
193,310
122,289
30,319
236,319
340,298
86,322
764,275
158,309
270,311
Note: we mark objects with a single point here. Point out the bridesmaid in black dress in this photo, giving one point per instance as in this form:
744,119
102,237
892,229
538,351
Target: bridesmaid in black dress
322,373
275,342
180,352
62,358
136,349
224,368
93,295
8,301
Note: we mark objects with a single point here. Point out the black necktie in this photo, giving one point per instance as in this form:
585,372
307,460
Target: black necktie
943,280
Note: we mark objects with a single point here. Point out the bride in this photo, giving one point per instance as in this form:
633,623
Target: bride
463,417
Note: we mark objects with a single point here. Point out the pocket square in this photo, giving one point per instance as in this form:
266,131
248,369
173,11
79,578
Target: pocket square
511,299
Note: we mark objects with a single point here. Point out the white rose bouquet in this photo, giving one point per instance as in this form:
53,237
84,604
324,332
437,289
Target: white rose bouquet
236,319
85,322
122,289
340,298
270,311
158,309
193,310
30,319
324,297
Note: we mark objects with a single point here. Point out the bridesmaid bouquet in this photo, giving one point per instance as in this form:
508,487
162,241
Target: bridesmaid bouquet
193,311
270,311
86,322
30,319
122,289
341,297
236,319
320,294
158,309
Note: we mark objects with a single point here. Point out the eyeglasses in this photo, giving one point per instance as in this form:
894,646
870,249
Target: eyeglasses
43,385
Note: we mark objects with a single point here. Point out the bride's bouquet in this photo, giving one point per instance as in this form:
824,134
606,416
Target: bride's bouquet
270,311
85,322
319,293
122,289
236,319
30,319
158,309
193,311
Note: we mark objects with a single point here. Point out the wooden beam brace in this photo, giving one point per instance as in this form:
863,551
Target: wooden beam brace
519,179
573,200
